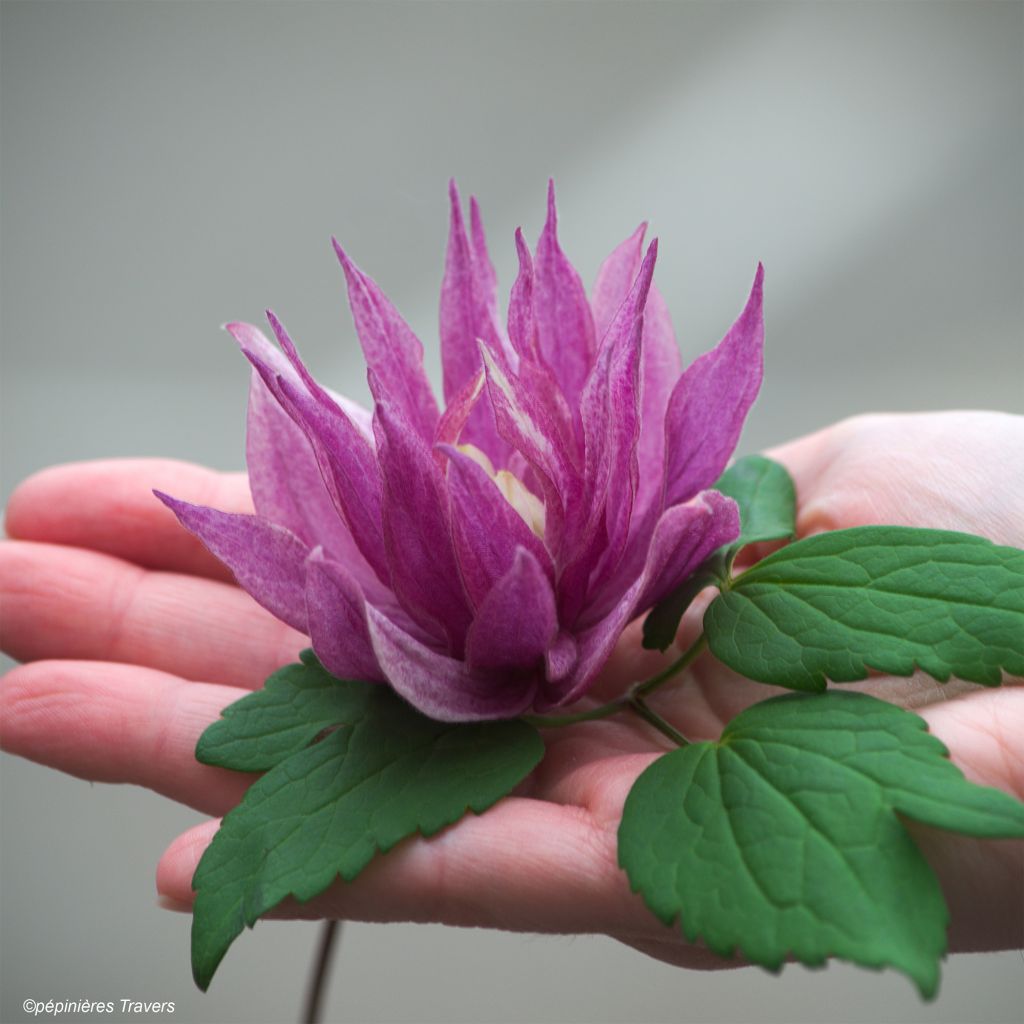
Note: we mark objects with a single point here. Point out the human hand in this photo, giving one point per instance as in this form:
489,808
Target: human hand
136,639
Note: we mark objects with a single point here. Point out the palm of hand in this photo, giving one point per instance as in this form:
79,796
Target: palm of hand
544,859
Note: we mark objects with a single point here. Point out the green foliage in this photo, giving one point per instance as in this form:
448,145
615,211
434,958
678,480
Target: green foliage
764,492
888,598
296,704
782,839
383,773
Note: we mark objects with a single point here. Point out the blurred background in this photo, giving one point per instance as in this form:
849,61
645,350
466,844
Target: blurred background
167,167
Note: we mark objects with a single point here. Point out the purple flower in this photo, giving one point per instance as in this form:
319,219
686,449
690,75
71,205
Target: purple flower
483,559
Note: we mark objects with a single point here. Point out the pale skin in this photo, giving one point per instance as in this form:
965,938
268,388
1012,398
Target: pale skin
134,638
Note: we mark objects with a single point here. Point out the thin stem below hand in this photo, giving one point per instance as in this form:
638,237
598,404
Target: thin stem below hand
318,980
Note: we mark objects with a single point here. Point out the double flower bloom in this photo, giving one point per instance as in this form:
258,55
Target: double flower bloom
483,560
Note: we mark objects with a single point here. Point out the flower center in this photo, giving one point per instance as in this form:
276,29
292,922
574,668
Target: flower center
515,492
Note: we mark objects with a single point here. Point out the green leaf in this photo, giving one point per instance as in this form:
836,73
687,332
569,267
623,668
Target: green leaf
296,704
887,598
782,839
325,811
764,492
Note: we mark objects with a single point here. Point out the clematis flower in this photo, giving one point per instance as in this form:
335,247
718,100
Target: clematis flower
484,558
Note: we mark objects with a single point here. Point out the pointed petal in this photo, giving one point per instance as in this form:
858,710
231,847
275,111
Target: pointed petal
610,411
517,621
335,611
439,686
392,350
349,468
565,327
468,313
615,279
521,330
288,488
487,530
684,537
660,365
417,530
710,402
346,458
525,421
268,561
360,416
453,419
611,405
271,363
487,279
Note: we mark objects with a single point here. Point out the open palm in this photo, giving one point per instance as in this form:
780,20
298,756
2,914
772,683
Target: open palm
135,638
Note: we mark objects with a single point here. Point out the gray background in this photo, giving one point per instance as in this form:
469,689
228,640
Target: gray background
167,167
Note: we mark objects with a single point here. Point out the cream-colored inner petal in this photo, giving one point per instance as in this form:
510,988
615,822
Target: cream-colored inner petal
515,492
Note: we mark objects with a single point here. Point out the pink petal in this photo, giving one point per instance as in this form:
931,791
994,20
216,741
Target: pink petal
348,465
439,686
267,560
615,279
517,621
660,364
521,330
525,420
335,609
565,328
288,488
392,350
487,279
561,657
710,402
346,459
453,419
610,410
486,529
468,312
684,537
417,530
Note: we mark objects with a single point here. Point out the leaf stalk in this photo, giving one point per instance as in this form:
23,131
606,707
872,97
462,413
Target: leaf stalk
628,701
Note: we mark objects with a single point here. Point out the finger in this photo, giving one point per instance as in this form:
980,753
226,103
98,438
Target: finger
913,469
983,880
982,729
70,603
477,873
108,505
119,723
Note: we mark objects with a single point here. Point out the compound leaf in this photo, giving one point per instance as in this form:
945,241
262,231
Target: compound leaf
783,838
888,598
383,772
295,705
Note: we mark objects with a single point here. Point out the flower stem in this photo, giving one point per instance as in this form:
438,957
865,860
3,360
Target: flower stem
679,665
556,721
628,700
640,706
311,1013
